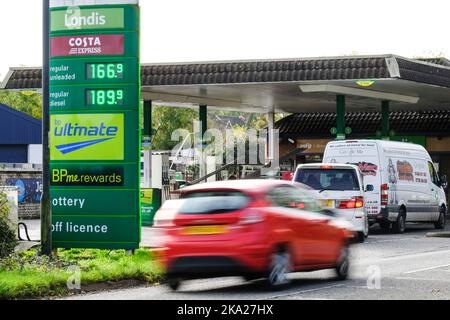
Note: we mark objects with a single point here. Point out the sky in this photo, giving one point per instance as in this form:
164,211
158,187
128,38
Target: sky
204,30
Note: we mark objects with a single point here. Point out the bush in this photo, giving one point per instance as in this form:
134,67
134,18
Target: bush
8,240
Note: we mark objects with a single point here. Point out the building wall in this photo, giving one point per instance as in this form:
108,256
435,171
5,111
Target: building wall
35,153
14,153
30,191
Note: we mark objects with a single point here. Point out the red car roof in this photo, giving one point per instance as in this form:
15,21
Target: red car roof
252,185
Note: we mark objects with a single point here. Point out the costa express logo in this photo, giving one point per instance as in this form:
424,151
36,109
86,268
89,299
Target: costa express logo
85,45
87,137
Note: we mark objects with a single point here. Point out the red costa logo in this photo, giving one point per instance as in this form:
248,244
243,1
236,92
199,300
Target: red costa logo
90,45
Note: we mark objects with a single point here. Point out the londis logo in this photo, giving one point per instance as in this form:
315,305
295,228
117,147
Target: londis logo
74,19
87,137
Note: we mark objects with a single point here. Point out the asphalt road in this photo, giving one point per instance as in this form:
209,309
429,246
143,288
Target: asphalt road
386,266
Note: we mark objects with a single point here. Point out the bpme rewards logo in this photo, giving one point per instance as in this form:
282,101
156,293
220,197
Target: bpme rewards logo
87,137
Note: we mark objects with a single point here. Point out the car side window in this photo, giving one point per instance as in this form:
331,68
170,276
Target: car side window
282,197
290,197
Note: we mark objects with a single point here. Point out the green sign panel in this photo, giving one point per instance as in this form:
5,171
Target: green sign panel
83,70
84,202
91,97
150,203
94,126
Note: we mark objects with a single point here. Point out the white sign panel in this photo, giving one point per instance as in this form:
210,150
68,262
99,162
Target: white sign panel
71,3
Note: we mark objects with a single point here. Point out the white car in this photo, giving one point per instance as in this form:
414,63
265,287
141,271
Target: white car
338,187
406,185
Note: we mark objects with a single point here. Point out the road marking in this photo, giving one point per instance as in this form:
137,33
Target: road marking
301,291
421,279
425,269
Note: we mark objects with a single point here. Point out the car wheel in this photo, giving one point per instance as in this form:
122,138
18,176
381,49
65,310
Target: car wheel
366,231
440,224
343,264
280,266
385,226
400,224
174,283
361,237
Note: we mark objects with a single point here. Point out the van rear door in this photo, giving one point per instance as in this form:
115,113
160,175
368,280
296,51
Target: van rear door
365,156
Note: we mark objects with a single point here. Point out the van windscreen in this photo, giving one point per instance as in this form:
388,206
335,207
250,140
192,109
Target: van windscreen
328,179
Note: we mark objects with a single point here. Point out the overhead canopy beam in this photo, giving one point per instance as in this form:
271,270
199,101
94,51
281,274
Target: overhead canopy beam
341,90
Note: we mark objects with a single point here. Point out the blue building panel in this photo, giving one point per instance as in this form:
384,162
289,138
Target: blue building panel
13,153
17,128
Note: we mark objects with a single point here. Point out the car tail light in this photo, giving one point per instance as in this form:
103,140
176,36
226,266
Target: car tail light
326,167
384,194
356,202
251,217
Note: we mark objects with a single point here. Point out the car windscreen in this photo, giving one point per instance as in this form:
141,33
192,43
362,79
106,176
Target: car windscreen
328,179
213,202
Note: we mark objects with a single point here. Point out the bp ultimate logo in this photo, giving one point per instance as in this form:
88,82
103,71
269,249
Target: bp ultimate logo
87,137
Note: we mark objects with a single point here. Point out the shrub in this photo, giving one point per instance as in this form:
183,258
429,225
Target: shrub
8,240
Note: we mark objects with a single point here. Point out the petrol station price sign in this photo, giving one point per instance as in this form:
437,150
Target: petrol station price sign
94,124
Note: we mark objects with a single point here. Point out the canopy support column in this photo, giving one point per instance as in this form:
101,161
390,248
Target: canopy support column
203,119
147,133
340,117
385,120
271,135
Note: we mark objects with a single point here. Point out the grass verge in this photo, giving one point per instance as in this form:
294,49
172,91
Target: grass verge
28,275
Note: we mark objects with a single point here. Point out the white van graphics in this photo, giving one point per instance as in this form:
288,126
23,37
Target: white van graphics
406,185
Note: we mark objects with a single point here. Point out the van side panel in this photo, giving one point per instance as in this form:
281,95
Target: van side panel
408,179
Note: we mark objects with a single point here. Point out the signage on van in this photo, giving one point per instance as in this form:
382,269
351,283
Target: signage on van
367,168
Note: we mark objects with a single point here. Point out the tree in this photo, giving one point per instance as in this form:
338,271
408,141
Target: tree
168,119
8,239
28,102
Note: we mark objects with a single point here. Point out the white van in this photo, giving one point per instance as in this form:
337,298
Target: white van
406,185
338,187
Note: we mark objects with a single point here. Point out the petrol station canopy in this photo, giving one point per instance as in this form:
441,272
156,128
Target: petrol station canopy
287,85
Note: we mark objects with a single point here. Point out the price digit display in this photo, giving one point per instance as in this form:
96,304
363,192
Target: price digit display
104,97
99,71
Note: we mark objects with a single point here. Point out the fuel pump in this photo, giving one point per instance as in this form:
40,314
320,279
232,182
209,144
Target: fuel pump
160,175
153,197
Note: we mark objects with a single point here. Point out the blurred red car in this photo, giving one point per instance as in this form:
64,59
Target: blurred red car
250,228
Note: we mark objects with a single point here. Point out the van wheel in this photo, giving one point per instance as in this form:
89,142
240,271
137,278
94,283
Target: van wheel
440,224
385,226
174,283
400,224
343,263
280,266
361,237
366,232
